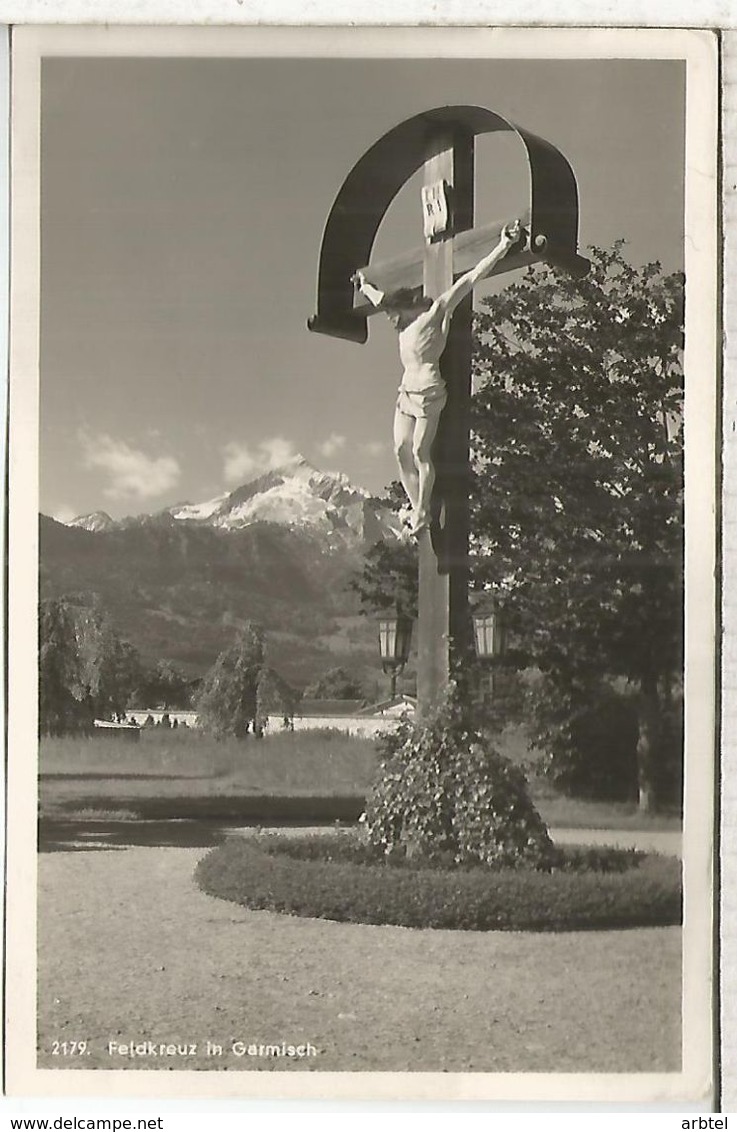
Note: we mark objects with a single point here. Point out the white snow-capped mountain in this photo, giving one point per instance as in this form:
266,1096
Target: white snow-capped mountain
197,512
95,521
296,494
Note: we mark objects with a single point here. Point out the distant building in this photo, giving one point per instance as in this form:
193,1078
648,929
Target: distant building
394,708
350,716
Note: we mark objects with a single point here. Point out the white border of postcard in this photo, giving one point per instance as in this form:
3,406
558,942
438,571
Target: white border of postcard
699,49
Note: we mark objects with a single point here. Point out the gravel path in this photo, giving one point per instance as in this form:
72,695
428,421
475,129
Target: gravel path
651,841
130,951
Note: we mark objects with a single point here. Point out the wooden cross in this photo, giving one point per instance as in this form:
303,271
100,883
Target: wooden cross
443,141
452,246
443,634
407,270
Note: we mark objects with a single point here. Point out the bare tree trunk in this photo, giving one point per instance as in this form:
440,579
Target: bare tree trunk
648,740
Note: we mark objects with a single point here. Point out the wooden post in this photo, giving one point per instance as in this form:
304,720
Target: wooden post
443,628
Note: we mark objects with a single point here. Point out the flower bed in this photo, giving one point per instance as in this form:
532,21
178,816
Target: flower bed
337,877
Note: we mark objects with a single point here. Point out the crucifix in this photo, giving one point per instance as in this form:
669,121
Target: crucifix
443,142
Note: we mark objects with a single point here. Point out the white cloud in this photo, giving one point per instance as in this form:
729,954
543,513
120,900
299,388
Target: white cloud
64,514
239,462
334,443
242,461
374,447
277,451
131,471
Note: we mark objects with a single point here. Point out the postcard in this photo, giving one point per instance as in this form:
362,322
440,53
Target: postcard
362,547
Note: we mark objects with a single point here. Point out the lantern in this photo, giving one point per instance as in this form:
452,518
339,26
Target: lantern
489,631
395,636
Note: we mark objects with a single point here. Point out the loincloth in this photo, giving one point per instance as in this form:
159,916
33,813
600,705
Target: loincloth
428,403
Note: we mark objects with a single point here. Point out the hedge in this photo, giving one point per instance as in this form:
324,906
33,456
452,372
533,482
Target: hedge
331,877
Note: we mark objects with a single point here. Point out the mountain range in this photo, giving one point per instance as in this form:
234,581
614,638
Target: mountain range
281,549
296,494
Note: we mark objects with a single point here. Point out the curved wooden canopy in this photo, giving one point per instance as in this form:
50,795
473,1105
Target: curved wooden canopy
374,181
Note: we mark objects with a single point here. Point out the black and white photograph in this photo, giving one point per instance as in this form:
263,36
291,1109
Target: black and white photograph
362,492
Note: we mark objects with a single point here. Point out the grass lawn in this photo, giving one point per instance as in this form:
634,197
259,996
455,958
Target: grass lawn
190,768
129,949
184,773
188,968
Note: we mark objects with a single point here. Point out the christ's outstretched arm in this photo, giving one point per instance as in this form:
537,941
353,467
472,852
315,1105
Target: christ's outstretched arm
449,300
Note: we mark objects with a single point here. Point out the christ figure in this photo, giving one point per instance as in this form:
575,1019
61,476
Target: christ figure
423,325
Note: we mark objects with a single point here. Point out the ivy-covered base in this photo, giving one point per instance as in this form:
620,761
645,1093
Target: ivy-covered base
339,877
442,790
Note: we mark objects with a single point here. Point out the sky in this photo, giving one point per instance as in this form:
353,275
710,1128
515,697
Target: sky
182,208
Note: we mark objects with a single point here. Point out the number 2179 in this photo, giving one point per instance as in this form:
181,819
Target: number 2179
68,1049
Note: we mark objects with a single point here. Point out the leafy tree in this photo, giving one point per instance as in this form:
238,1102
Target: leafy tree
85,670
228,700
275,695
577,487
109,667
165,685
172,685
388,579
336,684
577,495
127,671
61,703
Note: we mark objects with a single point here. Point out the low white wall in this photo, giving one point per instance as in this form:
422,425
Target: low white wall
348,724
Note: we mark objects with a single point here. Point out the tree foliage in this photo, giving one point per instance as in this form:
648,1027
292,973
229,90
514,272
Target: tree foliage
228,700
165,685
275,695
388,579
577,454
335,684
85,670
577,496
61,705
